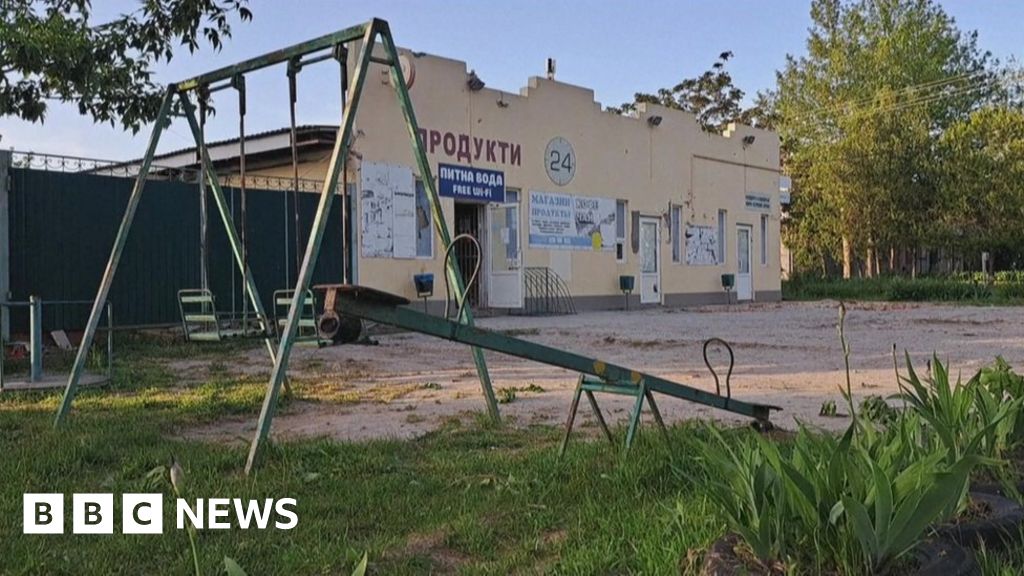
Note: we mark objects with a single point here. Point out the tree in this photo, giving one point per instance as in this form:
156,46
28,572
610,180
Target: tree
712,97
859,116
982,160
50,51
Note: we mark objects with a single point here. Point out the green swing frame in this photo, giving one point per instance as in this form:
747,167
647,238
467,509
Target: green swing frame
367,35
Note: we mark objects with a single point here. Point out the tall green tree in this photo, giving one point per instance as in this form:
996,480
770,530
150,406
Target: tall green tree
712,97
859,115
982,181
51,50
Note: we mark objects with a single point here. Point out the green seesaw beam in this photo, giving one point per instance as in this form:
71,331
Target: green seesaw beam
377,306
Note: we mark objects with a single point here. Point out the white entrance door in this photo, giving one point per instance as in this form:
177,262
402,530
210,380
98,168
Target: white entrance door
650,261
744,282
505,274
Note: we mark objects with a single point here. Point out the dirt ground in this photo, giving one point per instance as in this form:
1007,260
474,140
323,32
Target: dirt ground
787,354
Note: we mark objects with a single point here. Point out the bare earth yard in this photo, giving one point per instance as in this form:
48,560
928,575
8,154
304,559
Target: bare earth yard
787,354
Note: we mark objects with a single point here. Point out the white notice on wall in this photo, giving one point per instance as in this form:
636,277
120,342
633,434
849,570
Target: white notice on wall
701,245
387,202
405,220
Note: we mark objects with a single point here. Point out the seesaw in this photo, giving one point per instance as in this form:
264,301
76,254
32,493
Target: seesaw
595,375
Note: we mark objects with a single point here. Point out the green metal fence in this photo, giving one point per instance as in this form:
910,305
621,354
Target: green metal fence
62,226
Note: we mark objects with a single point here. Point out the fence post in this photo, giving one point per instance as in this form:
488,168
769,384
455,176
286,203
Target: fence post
36,337
5,240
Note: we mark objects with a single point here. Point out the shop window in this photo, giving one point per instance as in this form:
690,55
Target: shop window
722,217
620,230
512,224
424,223
676,232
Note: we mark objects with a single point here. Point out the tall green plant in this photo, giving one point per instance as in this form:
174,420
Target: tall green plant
1006,386
966,417
858,503
749,493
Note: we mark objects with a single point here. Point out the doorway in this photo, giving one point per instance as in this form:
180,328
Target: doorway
468,218
505,270
650,261
744,281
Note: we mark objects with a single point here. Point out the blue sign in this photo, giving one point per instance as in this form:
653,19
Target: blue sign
468,183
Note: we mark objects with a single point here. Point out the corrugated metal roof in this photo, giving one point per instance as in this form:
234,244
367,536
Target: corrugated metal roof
299,131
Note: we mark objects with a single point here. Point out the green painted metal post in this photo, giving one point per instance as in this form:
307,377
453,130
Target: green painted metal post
657,414
115,257
572,416
599,416
338,161
454,275
207,169
634,421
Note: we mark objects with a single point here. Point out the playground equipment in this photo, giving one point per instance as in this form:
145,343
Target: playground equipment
344,300
308,332
36,378
595,375
329,47
201,322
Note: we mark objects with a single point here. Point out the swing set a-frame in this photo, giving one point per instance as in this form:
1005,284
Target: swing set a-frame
360,302
374,33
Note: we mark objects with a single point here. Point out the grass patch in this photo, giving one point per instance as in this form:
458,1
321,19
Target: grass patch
469,498
521,332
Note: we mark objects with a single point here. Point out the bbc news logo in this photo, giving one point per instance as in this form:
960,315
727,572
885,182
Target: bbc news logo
144,513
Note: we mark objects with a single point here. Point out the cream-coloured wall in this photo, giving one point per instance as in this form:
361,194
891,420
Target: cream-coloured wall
618,157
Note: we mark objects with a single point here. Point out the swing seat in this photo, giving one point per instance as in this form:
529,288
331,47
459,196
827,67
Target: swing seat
200,321
308,335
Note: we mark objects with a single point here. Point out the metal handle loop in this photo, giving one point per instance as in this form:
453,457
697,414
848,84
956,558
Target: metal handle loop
728,375
472,278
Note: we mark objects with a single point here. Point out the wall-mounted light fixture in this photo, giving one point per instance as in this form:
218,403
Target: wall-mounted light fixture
474,82
748,140
653,121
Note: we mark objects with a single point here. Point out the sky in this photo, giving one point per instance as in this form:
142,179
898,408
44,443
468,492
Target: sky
615,47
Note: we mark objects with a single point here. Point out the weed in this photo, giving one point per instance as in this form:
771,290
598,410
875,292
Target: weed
875,409
507,395
521,332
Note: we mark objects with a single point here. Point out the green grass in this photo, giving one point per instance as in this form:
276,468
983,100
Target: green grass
470,498
967,290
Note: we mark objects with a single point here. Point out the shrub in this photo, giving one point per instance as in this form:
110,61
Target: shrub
961,287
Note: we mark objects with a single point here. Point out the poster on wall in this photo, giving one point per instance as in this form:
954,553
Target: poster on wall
568,222
701,245
387,203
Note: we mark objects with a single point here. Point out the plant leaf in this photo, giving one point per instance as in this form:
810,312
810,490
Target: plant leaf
232,568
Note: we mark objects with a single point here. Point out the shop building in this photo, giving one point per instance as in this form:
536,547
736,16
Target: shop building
546,179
